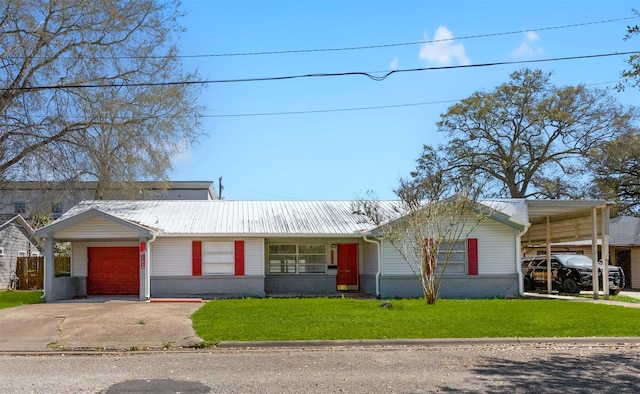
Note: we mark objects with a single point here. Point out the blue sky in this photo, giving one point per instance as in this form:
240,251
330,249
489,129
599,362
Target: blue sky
341,152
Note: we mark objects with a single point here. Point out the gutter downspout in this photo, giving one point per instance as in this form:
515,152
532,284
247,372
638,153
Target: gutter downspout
519,261
378,273
147,278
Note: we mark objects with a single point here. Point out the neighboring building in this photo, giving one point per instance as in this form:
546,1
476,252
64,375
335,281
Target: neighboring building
55,198
624,248
24,199
257,248
17,239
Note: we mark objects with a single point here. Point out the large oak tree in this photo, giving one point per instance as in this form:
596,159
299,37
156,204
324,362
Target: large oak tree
93,90
527,137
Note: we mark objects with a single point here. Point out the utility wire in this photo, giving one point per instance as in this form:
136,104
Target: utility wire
404,43
365,47
321,75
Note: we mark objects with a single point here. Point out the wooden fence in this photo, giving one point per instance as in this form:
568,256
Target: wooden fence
30,271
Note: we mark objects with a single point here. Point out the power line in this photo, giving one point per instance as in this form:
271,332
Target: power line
293,51
318,111
365,47
322,75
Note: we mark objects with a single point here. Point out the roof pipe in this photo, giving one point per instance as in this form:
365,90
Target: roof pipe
378,273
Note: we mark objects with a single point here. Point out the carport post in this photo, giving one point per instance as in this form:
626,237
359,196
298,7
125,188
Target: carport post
548,243
594,252
605,251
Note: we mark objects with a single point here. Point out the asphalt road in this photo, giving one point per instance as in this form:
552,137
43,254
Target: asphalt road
529,368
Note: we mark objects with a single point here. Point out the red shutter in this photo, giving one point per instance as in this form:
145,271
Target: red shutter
239,257
429,256
196,258
472,256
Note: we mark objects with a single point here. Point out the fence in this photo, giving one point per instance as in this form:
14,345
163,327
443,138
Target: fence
30,271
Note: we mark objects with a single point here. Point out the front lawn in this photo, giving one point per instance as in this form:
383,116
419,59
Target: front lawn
9,299
335,318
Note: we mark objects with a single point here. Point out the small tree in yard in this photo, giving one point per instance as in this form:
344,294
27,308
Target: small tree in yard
427,227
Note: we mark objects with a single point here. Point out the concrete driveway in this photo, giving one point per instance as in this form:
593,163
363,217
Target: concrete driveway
105,324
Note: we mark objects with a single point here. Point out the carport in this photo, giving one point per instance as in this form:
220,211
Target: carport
554,221
115,252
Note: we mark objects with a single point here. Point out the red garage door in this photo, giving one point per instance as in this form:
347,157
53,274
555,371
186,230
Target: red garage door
113,271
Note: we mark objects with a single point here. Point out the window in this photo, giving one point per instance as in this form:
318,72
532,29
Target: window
56,209
1,251
20,207
218,258
298,259
457,258
22,253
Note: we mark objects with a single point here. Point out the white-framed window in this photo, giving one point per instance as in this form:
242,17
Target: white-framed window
20,207
56,209
218,258
22,253
457,258
297,259
1,251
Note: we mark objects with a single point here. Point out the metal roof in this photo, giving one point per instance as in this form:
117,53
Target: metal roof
224,217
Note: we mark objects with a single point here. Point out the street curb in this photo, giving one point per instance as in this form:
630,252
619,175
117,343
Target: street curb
334,344
436,342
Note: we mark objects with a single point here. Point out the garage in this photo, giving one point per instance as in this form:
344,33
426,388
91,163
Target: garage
113,271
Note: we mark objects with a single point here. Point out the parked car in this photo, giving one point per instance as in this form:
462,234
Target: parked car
570,273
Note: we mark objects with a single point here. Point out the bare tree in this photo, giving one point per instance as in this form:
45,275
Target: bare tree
427,227
85,81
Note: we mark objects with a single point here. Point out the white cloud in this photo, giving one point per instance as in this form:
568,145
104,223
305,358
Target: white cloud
394,64
528,48
443,51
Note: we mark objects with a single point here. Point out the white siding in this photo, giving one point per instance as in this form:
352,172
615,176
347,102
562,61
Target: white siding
80,254
496,251
370,258
97,228
393,263
171,257
254,256
496,248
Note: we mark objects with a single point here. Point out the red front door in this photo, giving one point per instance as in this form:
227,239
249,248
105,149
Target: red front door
348,277
113,271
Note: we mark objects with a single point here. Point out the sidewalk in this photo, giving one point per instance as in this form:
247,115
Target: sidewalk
600,300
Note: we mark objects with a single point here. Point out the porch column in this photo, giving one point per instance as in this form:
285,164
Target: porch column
49,269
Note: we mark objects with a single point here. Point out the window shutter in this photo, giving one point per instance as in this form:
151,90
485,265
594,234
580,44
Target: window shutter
239,257
196,258
472,256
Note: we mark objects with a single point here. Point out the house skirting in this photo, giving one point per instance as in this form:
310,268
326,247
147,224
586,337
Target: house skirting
453,286
208,286
66,288
300,284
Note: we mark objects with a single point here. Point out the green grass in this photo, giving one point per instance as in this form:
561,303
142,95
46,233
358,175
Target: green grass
335,318
9,299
